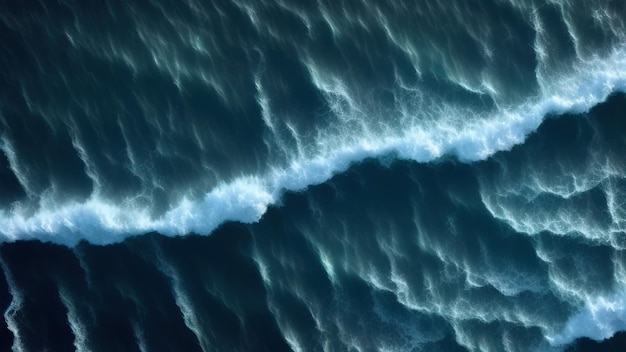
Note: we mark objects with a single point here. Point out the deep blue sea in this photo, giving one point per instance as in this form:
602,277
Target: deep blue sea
313,175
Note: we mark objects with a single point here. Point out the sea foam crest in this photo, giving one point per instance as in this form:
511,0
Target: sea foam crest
245,199
599,319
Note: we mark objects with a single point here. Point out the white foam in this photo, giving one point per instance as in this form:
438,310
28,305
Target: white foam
600,316
76,325
17,300
192,319
599,319
6,146
140,337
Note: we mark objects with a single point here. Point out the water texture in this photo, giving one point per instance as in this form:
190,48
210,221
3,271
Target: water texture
313,175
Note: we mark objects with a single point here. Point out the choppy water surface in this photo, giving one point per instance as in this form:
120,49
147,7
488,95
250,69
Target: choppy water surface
313,175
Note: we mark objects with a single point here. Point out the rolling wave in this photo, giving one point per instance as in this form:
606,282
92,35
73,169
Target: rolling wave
246,198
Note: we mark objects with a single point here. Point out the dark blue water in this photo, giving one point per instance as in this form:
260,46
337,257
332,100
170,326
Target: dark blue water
313,175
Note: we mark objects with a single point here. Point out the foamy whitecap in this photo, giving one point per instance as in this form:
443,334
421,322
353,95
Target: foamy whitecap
245,199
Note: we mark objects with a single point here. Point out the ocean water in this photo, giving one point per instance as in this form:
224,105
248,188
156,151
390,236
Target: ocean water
275,175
